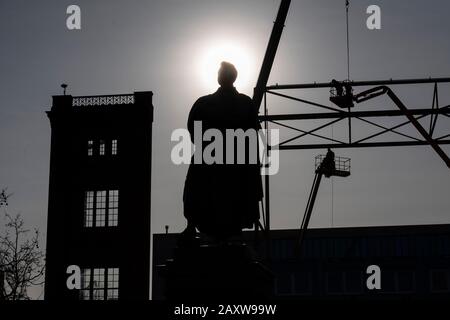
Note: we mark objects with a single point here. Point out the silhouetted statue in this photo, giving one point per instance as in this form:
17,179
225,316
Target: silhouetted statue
222,199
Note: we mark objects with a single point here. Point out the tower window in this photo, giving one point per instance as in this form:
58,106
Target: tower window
99,147
90,148
114,147
101,208
112,287
102,147
113,207
99,284
89,209
100,214
85,284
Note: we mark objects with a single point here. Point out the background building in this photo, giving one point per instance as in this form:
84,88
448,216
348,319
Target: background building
414,262
99,196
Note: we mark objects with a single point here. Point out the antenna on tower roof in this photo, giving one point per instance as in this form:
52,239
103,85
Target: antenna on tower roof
64,86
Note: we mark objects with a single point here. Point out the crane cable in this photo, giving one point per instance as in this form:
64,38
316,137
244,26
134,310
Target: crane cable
332,186
347,5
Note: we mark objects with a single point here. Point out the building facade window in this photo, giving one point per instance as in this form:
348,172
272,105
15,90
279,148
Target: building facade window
90,147
100,212
89,209
114,147
283,284
353,282
113,207
302,282
344,282
112,291
440,281
101,208
99,284
335,282
102,147
406,281
398,281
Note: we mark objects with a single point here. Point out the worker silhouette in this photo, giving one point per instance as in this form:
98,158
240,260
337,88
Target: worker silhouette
338,86
328,165
222,199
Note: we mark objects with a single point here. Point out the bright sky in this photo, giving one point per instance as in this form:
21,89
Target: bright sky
173,47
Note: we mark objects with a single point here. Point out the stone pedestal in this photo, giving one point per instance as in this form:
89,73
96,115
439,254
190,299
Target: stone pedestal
216,273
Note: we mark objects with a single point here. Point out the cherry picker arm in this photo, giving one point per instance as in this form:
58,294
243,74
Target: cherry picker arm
328,166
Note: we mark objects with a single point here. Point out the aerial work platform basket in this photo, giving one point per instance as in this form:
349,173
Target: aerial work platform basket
341,94
341,165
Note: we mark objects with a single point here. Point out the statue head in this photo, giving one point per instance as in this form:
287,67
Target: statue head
227,74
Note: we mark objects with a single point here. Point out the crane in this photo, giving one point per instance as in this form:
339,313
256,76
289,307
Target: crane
327,166
341,95
259,91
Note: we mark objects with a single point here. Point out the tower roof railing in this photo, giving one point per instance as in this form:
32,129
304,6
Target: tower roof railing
102,100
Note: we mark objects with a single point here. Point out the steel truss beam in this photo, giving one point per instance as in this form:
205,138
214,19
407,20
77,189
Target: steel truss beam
389,82
336,115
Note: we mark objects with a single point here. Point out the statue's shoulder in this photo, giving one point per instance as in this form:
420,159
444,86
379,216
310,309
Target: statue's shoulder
246,100
202,101
205,99
245,97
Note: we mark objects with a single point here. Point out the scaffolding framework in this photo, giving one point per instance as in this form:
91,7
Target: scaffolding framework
335,115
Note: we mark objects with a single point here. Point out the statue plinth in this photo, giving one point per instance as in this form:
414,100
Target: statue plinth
216,273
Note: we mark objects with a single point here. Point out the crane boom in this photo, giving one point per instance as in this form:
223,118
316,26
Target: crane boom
271,50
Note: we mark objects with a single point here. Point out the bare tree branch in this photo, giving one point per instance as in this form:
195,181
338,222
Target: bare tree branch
21,260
